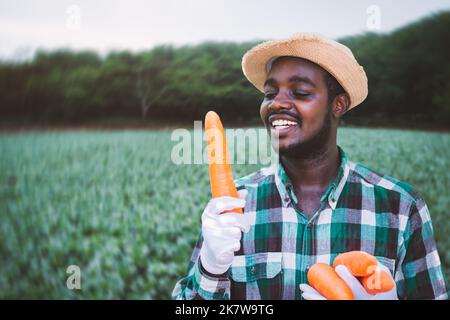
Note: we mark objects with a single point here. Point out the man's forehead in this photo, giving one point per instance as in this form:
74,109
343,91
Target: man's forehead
294,69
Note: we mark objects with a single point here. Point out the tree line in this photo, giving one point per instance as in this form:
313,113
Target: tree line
408,71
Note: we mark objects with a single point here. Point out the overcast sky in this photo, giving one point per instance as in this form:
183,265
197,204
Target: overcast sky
104,25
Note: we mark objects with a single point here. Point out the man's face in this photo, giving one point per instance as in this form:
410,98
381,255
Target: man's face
299,113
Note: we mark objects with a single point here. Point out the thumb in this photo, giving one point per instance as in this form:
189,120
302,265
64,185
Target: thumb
243,193
352,281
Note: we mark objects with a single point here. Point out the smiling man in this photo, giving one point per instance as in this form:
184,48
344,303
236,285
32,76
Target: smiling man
315,203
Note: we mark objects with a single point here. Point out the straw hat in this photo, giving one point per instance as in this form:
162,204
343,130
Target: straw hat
332,56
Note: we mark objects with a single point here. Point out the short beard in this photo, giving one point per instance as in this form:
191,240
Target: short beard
315,147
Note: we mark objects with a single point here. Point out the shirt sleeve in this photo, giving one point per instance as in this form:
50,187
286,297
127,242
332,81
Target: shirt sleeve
420,274
199,284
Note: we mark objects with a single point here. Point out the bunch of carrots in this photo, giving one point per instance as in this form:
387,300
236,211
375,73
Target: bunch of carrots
321,276
327,282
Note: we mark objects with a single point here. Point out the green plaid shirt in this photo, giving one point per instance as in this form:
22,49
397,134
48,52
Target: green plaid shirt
360,210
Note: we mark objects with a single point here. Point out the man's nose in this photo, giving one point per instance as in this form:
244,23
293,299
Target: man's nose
280,102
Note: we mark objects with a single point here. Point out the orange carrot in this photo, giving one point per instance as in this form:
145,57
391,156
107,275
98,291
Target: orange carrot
359,263
379,281
326,281
221,178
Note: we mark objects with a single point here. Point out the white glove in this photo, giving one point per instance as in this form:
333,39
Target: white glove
309,293
222,232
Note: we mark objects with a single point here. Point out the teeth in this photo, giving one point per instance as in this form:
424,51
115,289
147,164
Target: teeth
283,123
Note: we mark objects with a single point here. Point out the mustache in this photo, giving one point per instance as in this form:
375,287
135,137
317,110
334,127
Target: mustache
285,112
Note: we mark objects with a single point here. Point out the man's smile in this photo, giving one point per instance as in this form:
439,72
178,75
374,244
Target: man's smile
282,123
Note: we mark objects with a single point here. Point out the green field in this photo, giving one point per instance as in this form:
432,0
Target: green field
115,205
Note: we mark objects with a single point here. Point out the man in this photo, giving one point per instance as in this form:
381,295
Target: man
315,203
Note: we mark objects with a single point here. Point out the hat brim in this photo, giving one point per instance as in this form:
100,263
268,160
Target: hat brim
332,56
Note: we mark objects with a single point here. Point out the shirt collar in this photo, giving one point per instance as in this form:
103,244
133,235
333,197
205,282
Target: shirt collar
332,193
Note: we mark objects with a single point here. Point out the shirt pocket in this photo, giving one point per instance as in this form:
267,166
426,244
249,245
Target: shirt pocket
257,276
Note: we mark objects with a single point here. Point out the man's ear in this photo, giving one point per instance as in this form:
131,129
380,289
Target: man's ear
340,105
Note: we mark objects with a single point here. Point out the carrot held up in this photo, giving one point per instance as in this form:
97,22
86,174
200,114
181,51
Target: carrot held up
222,233
221,177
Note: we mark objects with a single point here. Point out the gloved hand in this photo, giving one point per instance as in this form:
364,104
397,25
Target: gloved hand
309,293
222,232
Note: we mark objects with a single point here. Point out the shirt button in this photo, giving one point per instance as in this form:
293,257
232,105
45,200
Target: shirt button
253,270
